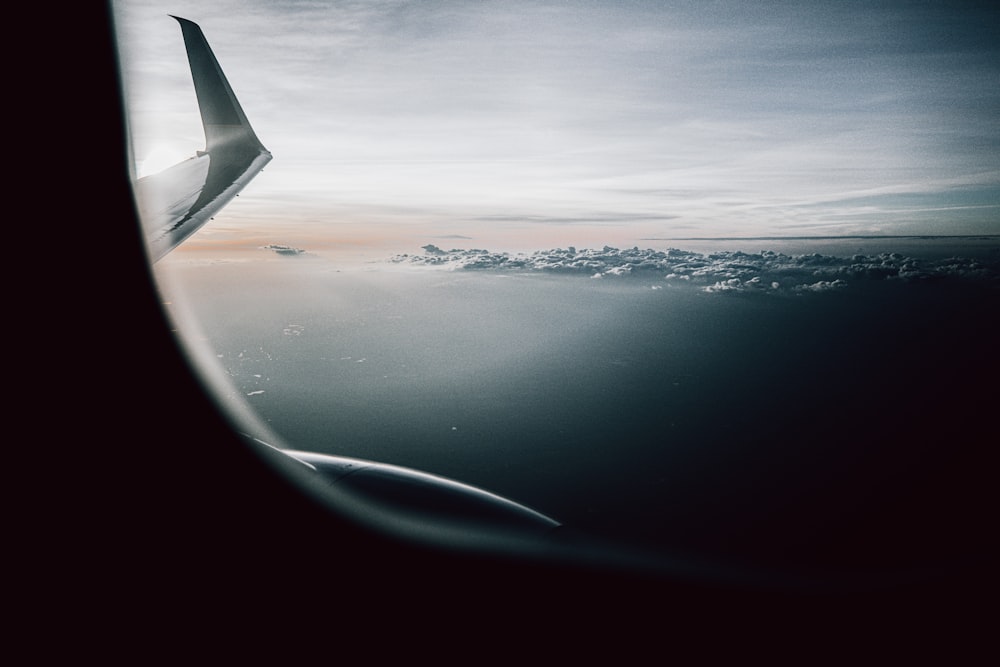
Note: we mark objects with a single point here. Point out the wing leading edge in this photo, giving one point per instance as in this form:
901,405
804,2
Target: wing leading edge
177,201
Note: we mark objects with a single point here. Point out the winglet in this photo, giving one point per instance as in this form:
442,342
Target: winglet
221,114
175,202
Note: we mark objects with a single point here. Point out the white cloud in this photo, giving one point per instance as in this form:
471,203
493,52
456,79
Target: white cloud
764,271
821,286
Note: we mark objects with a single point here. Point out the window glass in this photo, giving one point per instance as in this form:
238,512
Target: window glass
710,280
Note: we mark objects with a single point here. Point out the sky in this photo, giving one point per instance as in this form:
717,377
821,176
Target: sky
526,125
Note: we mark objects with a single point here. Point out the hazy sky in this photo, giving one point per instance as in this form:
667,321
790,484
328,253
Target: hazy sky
533,124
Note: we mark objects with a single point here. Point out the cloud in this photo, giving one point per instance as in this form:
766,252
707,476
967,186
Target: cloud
765,271
762,118
283,249
822,286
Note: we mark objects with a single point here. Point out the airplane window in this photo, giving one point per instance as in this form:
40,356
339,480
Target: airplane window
717,284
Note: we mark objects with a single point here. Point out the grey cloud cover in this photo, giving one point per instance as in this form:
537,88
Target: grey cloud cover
729,116
283,249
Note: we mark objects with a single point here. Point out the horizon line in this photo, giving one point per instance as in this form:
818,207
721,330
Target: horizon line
820,238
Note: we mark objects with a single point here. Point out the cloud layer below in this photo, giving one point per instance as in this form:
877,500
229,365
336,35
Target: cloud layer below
729,271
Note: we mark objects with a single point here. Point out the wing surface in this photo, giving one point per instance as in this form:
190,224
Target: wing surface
174,203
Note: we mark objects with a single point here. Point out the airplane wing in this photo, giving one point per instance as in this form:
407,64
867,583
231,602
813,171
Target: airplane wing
176,202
